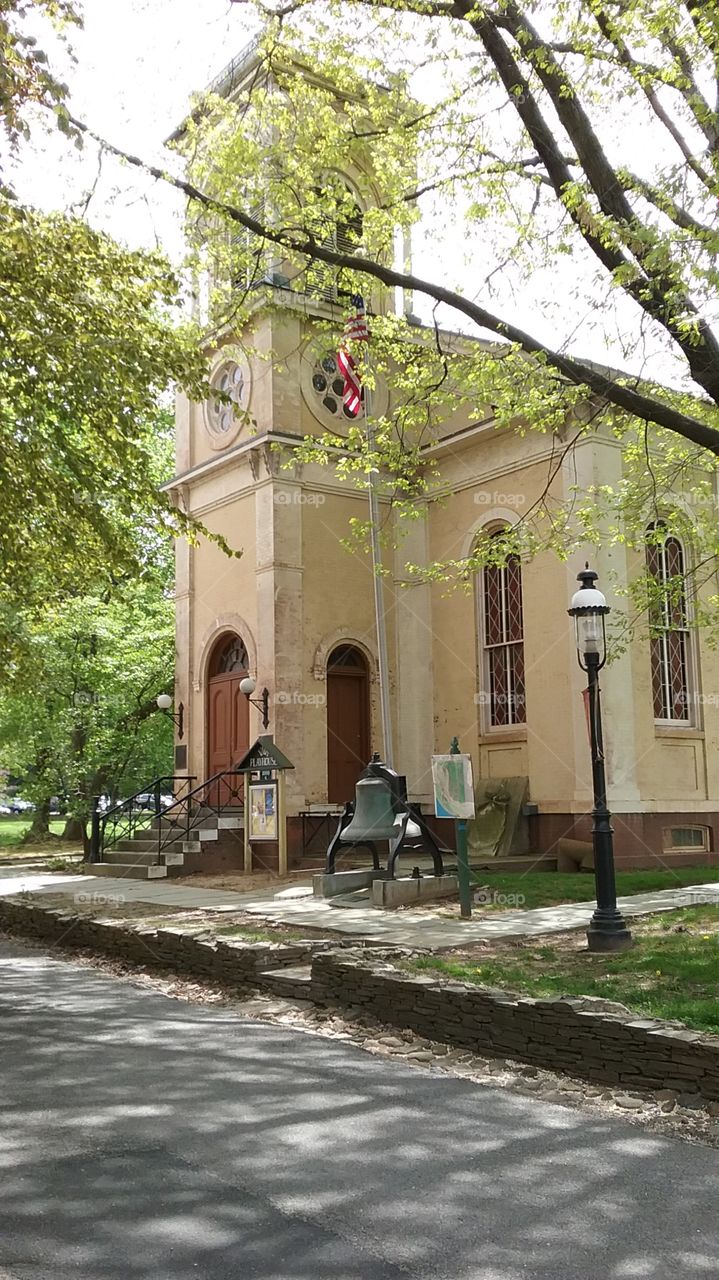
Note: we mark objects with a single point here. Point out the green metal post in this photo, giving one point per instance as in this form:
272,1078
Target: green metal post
460,827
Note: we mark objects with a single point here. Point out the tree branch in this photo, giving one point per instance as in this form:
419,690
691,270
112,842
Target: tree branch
576,371
704,117
660,293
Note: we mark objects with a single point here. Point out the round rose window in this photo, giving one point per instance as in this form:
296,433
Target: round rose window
328,387
230,381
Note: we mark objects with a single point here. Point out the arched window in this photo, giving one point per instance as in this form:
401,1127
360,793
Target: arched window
229,655
669,642
346,656
503,643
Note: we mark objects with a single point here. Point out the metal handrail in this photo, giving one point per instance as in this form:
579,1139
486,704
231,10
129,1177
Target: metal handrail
124,817
188,813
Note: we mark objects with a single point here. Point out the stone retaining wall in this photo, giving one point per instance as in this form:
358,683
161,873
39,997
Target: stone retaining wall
571,1035
232,961
564,1035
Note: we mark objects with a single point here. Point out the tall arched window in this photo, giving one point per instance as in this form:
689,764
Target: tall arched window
503,643
669,643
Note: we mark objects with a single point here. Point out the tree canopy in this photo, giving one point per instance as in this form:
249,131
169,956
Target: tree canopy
504,124
92,341
573,148
78,714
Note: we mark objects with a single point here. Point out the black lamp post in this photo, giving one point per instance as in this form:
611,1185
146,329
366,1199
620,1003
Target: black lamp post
607,928
164,702
248,686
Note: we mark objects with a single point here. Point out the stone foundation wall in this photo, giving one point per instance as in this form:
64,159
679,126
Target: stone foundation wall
233,962
564,1035
638,837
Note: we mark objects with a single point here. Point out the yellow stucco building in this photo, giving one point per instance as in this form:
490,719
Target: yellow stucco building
495,666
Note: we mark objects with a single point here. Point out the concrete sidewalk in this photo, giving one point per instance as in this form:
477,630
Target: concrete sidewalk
405,928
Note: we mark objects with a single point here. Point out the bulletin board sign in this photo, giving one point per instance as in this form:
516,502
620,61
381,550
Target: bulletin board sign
263,823
453,786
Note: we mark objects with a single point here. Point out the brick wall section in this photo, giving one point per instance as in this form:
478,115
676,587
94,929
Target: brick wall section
237,963
613,1049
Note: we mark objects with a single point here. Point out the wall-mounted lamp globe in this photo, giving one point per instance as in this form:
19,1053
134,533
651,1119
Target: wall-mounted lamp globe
248,686
607,929
164,702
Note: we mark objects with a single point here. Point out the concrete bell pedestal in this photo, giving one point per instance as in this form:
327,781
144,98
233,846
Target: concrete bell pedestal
408,891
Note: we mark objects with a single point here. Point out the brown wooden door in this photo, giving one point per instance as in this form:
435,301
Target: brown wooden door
347,722
228,718
228,734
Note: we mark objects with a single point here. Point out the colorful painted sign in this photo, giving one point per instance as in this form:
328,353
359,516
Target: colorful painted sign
263,810
453,786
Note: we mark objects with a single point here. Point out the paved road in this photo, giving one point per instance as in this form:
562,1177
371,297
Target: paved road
144,1139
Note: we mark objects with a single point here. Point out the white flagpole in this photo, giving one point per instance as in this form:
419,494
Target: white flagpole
380,617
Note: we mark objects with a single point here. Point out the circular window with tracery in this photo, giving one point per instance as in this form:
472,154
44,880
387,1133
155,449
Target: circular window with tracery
328,388
229,381
225,411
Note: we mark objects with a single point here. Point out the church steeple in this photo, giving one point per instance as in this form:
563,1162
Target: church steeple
283,140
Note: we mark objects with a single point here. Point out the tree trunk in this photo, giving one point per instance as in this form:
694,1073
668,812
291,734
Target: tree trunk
74,830
39,830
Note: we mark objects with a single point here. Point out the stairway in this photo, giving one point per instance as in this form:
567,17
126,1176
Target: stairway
137,858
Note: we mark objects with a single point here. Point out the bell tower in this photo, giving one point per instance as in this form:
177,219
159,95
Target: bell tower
294,597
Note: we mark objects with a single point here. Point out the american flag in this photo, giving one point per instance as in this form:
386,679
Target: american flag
355,331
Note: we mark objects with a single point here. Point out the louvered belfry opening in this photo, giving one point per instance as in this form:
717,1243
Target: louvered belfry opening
320,280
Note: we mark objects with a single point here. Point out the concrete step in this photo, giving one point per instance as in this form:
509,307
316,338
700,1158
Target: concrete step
131,856
127,871
138,845
294,982
207,818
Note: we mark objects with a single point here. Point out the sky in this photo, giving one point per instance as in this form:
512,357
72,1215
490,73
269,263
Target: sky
137,63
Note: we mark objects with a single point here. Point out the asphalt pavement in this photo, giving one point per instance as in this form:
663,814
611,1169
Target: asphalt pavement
147,1139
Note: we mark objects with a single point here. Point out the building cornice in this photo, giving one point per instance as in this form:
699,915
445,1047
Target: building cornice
213,466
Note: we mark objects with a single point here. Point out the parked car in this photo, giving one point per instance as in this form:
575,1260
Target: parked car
146,800
21,806
4,810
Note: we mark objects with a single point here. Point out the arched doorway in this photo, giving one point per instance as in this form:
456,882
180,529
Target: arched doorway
228,711
348,721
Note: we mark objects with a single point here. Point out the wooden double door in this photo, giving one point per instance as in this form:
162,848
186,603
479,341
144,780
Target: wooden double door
228,718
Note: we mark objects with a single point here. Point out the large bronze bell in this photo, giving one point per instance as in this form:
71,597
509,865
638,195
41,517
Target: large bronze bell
374,817
382,812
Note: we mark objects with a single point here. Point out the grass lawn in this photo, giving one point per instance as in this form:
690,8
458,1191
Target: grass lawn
671,972
12,831
518,890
